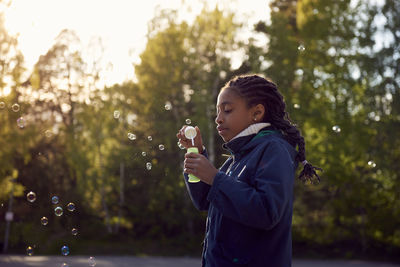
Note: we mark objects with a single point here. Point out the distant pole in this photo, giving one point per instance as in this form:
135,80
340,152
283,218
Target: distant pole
121,193
9,217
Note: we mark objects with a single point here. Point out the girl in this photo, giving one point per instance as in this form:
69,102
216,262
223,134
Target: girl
249,199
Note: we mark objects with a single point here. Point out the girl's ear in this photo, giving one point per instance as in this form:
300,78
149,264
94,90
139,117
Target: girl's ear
258,112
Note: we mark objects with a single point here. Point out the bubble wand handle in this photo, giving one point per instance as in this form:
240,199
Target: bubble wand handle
192,178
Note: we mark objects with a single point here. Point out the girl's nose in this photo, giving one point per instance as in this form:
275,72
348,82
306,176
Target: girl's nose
218,119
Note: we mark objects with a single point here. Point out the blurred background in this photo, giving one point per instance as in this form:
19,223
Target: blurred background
92,94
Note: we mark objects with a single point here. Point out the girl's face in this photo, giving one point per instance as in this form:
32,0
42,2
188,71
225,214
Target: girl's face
233,114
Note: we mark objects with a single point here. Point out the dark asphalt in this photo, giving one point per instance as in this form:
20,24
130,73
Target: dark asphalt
130,261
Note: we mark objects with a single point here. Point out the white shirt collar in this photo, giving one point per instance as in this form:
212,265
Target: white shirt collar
252,129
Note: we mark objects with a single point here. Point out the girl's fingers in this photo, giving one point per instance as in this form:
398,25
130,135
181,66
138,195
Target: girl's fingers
189,165
192,155
192,161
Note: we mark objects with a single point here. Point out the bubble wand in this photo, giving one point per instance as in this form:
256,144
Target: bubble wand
190,133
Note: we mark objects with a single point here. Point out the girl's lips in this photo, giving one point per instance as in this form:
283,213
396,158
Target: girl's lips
221,130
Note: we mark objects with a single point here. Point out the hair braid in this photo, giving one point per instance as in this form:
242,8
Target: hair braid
258,90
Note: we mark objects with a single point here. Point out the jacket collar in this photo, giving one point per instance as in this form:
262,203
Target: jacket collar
252,129
241,141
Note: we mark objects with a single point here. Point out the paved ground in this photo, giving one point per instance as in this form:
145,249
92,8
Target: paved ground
127,261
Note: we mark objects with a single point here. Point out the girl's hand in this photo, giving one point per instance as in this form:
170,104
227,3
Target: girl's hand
198,141
199,166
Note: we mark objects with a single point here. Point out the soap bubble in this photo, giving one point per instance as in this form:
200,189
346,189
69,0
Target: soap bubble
65,250
92,261
54,200
144,154
74,231
15,107
149,138
2,105
44,221
168,105
71,206
29,251
116,114
21,122
148,166
296,106
336,129
131,136
188,121
31,196
64,265
371,164
180,145
58,211
48,133
161,147
301,48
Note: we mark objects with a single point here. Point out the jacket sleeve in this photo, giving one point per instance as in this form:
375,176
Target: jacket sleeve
198,191
263,204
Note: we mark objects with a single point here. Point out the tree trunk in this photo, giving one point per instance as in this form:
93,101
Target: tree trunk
211,124
121,195
102,192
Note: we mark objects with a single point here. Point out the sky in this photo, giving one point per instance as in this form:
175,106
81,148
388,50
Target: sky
121,24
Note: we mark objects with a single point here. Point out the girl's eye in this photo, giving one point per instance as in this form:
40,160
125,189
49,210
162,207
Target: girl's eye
228,111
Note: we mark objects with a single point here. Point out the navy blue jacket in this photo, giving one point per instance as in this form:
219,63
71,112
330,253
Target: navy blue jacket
249,204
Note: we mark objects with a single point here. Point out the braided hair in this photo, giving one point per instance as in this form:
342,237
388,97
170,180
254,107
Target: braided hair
258,90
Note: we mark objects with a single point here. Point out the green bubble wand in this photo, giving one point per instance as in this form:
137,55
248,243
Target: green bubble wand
190,133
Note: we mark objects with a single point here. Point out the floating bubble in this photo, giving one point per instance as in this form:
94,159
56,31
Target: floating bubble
92,261
58,211
2,105
371,164
296,106
188,121
31,196
44,221
301,48
54,200
148,166
48,133
168,105
131,136
161,147
21,122
15,107
70,206
144,154
65,250
336,129
116,114
74,231
29,251
180,145
149,138
64,265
